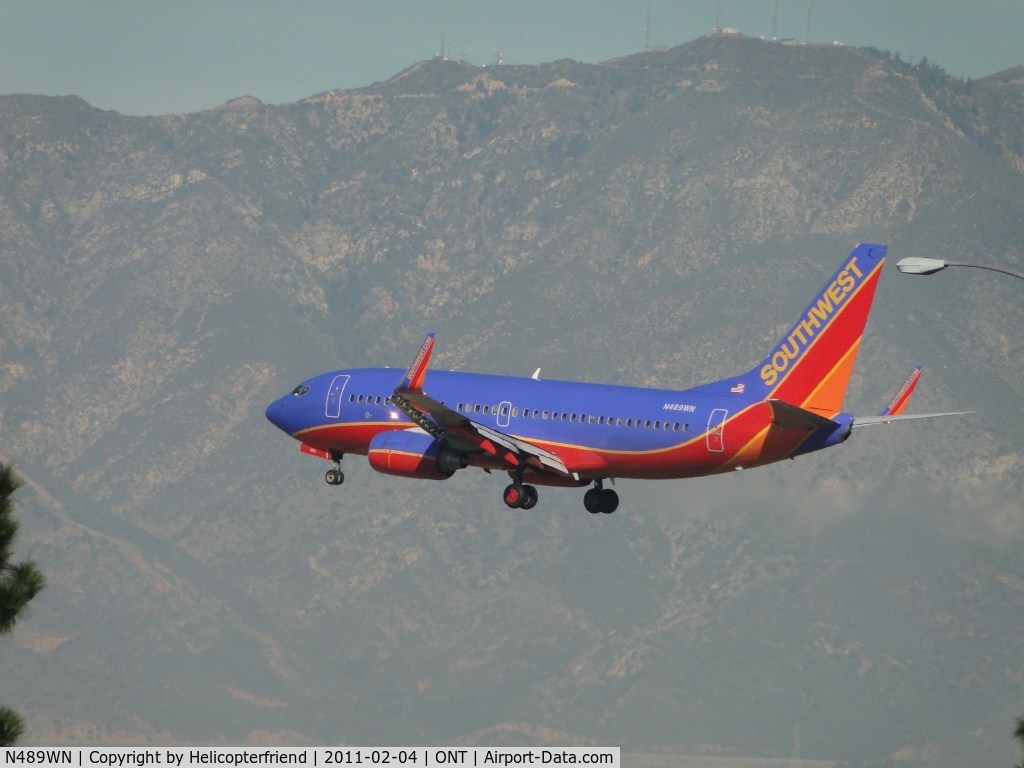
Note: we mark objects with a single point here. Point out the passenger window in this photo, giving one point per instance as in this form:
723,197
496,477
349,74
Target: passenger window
544,415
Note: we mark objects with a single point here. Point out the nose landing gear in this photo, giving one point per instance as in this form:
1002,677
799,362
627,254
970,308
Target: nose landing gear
335,476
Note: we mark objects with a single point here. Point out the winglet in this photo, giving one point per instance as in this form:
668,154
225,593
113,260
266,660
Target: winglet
898,404
894,410
414,377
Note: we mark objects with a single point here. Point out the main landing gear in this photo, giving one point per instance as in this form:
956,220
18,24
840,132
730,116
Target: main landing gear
597,500
600,500
335,476
519,496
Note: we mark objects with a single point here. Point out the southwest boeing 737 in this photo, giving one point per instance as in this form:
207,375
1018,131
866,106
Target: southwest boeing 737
430,424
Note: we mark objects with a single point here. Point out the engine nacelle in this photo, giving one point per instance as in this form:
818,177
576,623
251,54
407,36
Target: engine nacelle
408,453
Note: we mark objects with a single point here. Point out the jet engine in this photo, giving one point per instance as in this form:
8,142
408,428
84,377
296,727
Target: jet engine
410,453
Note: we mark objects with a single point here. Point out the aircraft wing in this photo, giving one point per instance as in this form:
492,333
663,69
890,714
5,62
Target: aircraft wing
461,432
465,434
894,410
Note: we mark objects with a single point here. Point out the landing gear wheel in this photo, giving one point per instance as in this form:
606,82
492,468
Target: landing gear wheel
334,477
514,496
599,500
529,497
609,501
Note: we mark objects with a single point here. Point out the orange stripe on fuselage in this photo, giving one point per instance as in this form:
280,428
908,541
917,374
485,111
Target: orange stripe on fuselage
348,437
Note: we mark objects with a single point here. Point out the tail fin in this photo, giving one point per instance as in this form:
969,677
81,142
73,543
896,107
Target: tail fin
811,365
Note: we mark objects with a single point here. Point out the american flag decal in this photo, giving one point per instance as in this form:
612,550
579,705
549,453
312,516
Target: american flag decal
738,389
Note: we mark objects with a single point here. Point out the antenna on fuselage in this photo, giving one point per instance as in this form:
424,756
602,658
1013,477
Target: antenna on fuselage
536,375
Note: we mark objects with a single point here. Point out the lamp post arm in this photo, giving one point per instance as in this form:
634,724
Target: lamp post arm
983,266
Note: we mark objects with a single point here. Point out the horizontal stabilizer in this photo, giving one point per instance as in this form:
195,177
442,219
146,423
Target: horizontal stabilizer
894,411
787,415
868,421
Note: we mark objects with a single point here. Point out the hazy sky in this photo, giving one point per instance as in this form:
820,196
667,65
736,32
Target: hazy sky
147,57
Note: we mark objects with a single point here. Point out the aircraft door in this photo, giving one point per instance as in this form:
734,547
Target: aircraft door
716,430
504,413
334,393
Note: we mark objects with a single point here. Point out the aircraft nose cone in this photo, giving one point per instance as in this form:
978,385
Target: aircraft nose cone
277,414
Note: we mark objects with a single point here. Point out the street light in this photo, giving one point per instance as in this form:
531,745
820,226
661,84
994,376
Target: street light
919,265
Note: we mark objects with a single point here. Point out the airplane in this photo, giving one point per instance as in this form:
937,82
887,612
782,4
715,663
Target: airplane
430,423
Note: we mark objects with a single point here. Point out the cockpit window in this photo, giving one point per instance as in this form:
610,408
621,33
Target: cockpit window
300,390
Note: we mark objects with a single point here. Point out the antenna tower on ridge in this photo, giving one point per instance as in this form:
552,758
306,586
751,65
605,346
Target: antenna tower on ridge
647,30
